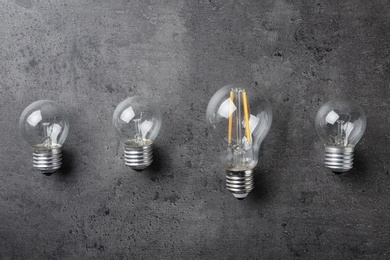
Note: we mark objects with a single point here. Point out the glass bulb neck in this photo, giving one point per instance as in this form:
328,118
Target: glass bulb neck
47,160
339,159
139,157
240,183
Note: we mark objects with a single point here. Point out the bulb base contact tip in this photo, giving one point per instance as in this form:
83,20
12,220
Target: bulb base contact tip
47,160
240,183
139,157
339,159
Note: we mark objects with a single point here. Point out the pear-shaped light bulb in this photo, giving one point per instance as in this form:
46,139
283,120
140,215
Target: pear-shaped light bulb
45,126
340,124
137,122
239,119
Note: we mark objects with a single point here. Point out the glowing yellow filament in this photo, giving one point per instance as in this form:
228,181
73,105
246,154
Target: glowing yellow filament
230,117
246,114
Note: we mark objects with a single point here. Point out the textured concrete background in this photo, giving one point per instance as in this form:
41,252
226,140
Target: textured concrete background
90,55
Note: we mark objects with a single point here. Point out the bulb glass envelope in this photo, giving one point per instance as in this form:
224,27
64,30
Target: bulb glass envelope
239,118
44,124
137,121
340,123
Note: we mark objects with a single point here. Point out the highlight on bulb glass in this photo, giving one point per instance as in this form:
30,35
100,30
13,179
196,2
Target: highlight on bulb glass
239,118
44,125
340,124
137,122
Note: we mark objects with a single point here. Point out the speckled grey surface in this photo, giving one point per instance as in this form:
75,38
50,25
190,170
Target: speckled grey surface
90,55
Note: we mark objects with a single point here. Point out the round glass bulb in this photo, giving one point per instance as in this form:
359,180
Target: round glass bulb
45,126
137,122
239,119
340,124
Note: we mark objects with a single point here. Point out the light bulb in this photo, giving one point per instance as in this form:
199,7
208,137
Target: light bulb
340,125
239,118
45,126
137,122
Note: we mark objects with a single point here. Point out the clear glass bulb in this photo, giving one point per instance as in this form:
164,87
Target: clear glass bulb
45,126
239,118
137,122
340,124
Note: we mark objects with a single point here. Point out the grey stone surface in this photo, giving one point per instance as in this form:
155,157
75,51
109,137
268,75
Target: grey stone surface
90,55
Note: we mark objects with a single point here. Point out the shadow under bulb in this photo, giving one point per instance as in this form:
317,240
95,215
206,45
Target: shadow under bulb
239,119
137,121
45,126
340,124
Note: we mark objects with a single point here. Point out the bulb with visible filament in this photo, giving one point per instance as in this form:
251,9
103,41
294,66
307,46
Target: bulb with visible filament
239,118
340,124
137,122
45,126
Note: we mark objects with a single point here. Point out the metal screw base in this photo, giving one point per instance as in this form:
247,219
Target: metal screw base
240,183
47,160
139,157
339,159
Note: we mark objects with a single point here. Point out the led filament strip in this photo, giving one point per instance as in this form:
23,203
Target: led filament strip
246,116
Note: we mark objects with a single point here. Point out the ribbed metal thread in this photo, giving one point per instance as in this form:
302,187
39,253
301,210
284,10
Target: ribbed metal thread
139,157
339,159
47,160
240,183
